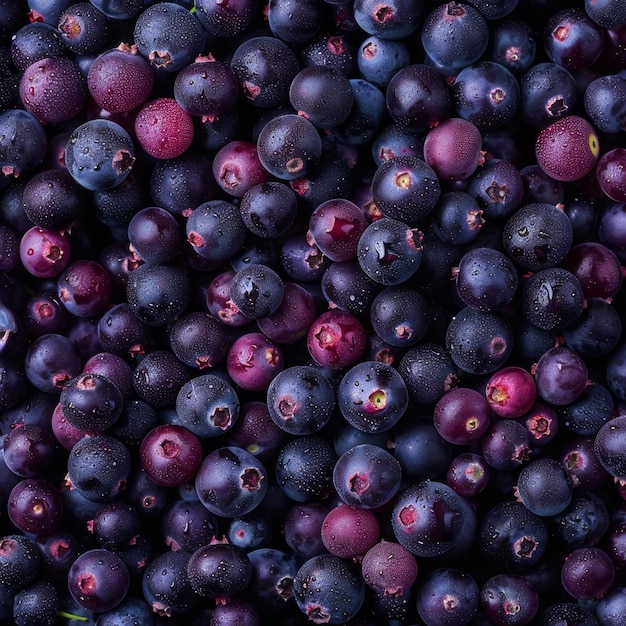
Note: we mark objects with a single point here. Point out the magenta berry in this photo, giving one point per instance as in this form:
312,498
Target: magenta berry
45,252
511,391
336,339
253,361
163,129
170,455
350,532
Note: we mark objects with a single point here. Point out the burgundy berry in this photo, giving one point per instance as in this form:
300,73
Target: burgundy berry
468,474
85,288
237,168
45,252
462,416
567,149
53,90
120,79
253,361
170,455
336,339
349,532
389,568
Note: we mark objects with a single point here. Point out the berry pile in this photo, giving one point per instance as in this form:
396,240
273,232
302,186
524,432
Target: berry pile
311,312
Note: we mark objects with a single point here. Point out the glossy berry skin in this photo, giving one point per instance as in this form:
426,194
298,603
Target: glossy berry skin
98,580
207,405
157,34
512,537
429,519
457,218
561,376
468,474
400,315
479,342
609,173
165,584
486,279
511,391
389,251
154,235
389,568
372,396
349,532
304,468
391,20
83,28
336,339
418,97
36,603
51,360
524,237
99,154
206,88
572,39
313,581
300,400
379,59
215,229
170,455
158,294
231,482
257,290
120,79
253,361
512,43
448,596
35,506
91,402
506,446
453,149
98,467
547,93
53,199
567,149
486,94
462,416
303,524
509,599
237,168
607,442
405,188
336,226
53,89
20,560
163,129
268,209
45,252
323,95
598,94
289,145
544,488
367,476
455,35
265,67
587,573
